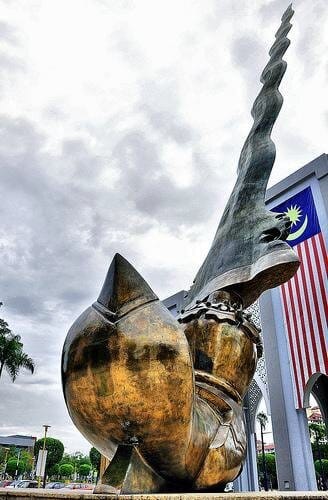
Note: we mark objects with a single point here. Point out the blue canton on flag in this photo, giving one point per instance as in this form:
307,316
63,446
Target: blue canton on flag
301,211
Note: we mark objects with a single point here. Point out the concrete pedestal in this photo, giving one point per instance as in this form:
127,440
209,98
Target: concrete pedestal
40,494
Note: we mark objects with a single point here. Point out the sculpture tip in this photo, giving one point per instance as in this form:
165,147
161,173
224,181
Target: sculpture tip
123,286
288,14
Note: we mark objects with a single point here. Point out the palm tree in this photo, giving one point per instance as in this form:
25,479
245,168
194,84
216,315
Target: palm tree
12,356
262,419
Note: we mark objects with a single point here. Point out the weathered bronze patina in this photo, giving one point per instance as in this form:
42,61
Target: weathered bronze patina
249,254
160,397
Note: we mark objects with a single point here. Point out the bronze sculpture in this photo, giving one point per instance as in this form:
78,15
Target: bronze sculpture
163,398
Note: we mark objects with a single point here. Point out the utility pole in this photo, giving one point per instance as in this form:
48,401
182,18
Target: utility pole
46,427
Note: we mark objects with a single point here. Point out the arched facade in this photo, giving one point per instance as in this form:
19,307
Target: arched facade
318,386
248,480
283,379
294,320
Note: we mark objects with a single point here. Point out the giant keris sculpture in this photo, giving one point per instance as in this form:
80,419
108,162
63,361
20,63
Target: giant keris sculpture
160,397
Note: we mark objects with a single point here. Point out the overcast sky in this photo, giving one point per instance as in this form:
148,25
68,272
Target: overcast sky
121,127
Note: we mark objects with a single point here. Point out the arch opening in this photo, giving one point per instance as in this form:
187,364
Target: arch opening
316,401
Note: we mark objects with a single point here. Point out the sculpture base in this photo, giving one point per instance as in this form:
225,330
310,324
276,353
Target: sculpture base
40,494
128,473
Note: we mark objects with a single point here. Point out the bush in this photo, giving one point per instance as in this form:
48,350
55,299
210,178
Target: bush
66,470
84,470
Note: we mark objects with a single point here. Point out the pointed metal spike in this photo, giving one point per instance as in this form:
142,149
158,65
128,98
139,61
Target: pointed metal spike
124,288
238,258
288,14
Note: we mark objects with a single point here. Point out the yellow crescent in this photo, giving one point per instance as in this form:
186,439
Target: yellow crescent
299,232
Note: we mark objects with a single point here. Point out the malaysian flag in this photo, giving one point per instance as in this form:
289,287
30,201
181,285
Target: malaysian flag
304,297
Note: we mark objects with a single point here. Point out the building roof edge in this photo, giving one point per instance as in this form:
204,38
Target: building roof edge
317,167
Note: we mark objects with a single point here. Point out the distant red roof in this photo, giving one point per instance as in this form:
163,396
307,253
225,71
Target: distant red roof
267,447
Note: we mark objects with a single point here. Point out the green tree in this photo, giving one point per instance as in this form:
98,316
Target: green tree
2,454
270,462
66,459
84,470
66,470
317,435
323,450
24,458
262,418
12,466
55,449
27,460
95,456
12,356
4,328
84,460
317,431
324,464
12,453
53,471
78,459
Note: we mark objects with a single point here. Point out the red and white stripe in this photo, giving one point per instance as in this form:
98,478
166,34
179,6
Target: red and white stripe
305,307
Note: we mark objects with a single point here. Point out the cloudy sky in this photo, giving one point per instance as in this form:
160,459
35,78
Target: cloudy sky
121,126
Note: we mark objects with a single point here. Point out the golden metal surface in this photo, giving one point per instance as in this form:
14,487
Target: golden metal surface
163,400
132,381
134,377
224,356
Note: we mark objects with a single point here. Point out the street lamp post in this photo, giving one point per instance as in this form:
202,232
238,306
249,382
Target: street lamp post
46,427
33,468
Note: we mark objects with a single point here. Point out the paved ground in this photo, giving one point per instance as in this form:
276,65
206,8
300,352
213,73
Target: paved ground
41,494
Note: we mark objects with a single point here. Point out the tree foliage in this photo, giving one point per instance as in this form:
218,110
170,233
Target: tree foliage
66,470
53,471
317,431
318,440
323,450
80,459
84,470
55,450
324,464
12,356
76,459
12,466
23,457
262,418
27,459
95,456
270,460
